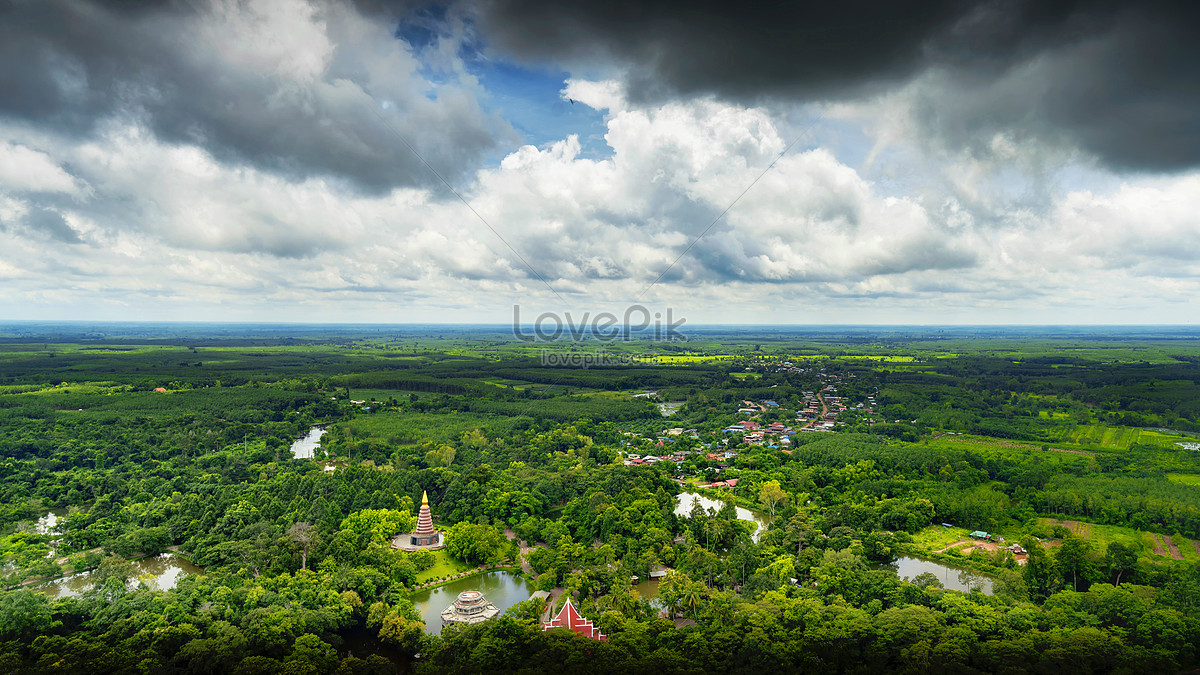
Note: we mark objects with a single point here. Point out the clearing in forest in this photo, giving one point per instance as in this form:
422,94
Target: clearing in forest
1078,528
954,545
1173,548
1158,545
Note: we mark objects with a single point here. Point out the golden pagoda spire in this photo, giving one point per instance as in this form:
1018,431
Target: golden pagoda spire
425,498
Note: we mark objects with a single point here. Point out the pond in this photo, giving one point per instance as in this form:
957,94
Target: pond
648,590
48,524
303,448
953,578
160,573
502,589
670,407
685,500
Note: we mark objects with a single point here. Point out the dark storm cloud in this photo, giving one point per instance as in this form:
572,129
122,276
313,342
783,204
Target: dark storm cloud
1119,80
69,66
732,49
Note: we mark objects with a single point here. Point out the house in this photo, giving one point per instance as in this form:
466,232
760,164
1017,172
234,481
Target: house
980,534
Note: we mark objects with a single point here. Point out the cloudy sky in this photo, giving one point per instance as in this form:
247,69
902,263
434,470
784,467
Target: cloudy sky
851,162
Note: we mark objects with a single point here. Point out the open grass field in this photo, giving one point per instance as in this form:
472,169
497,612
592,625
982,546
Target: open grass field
690,358
414,427
367,394
1184,479
506,383
444,565
1115,438
1001,447
937,537
1148,544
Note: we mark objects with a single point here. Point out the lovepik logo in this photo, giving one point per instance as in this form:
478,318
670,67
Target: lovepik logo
636,322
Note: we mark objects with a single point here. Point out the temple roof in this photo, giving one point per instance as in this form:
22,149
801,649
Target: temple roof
570,619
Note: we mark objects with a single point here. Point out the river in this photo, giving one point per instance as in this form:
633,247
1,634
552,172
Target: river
953,578
160,573
502,589
303,448
685,500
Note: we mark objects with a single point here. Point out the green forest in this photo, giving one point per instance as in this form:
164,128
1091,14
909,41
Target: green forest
1043,488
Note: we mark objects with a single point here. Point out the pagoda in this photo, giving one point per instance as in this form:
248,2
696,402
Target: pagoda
570,619
425,536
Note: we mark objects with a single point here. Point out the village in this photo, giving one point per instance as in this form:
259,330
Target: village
816,411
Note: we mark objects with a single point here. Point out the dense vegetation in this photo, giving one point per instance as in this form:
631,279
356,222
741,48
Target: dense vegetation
179,441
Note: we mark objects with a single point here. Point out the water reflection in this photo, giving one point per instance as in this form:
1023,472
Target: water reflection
502,589
303,448
685,501
48,524
159,573
953,578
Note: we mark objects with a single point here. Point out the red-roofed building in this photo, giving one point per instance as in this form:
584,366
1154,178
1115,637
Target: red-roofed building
570,619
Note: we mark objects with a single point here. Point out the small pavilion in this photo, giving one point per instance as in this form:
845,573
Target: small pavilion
426,536
570,619
470,607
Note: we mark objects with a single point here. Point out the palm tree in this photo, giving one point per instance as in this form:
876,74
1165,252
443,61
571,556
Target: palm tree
692,595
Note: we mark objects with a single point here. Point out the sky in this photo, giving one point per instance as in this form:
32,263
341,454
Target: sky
934,162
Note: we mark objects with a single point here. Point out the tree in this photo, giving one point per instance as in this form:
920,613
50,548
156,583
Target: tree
1011,584
473,543
1072,557
1120,559
771,495
313,650
1039,571
379,524
693,594
443,455
926,580
24,613
402,632
305,536
671,590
